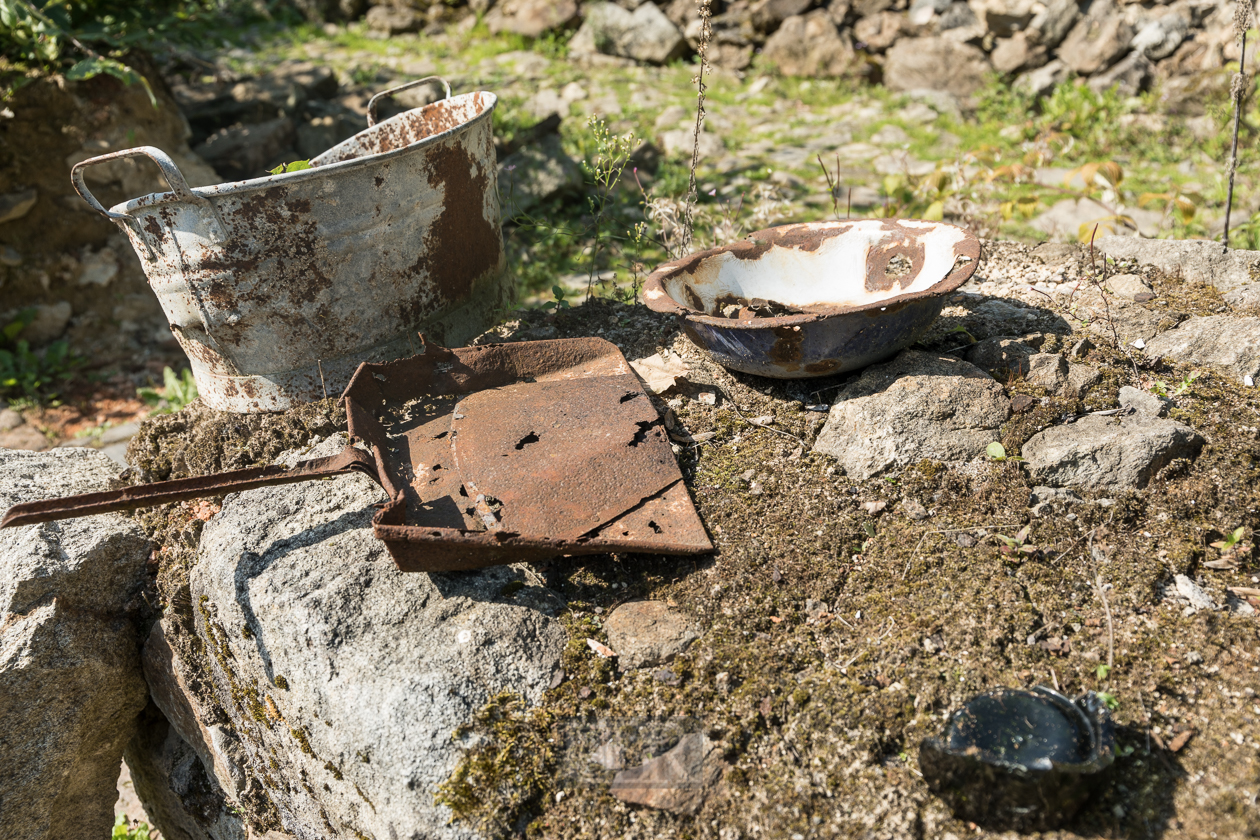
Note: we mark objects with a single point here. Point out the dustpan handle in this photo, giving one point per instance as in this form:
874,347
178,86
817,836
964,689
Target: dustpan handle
371,115
146,495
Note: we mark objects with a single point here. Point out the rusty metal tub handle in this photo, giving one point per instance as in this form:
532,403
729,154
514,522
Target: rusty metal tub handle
349,460
371,109
174,179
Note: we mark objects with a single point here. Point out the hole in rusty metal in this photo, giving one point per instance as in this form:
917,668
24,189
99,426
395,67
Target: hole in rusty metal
463,491
959,262
437,467
441,435
898,266
629,395
656,529
528,439
641,434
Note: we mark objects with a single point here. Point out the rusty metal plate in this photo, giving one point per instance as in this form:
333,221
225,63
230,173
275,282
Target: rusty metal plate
519,451
562,457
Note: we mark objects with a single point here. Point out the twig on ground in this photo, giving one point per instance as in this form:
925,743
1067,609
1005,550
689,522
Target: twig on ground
734,406
1099,284
1111,633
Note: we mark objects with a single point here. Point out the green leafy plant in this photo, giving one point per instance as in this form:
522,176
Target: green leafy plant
1102,672
997,452
125,830
559,302
295,166
87,38
1161,387
177,392
605,168
922,197
1231,539
1109,700
1233,549
26,375
1018,545
606,158
96,65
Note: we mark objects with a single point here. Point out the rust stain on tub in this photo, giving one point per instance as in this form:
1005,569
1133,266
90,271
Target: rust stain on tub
457,252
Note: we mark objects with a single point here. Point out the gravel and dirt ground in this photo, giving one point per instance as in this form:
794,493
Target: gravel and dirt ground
835,639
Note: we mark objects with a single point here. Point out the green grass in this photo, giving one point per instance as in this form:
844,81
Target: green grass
999,146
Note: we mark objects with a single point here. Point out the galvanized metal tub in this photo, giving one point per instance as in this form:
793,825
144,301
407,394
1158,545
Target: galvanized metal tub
857,292
278,287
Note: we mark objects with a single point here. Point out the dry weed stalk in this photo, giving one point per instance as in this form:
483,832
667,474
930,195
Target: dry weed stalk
727,221
1098,282
702,49
1243,11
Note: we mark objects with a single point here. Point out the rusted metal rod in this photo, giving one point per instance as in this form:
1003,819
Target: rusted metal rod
186,489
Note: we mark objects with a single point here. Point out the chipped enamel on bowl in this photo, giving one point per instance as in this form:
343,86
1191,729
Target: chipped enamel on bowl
861,291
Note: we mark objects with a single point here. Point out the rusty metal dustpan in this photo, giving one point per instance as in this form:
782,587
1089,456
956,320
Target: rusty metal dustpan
489,455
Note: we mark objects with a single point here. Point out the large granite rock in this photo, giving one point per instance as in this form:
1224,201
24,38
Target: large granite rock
336,679
1053,23
645,34
70,679
531,18
1195,261
172,784
1245,297
186,766
1098,40
1219,340
810,45
1004,357
916,64
1108,454
919,405
536,173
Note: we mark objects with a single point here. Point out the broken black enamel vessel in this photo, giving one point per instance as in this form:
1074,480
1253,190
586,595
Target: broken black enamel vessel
815,299
1022,760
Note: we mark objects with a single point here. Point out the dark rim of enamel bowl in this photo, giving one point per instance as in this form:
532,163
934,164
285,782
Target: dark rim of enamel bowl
803,236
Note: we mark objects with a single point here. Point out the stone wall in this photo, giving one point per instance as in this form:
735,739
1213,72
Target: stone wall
908,44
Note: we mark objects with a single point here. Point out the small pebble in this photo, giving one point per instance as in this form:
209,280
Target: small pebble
1021,403
914,510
